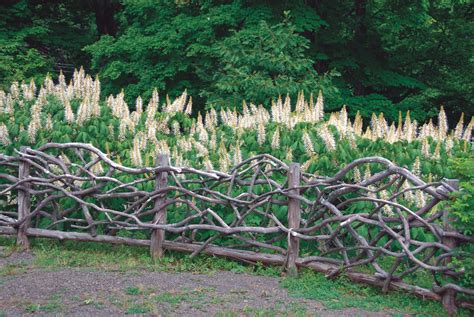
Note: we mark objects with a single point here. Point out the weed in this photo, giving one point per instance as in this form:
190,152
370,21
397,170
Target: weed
94,302
133,290
173,299
116,301
138,308
47,307
12,269
52,305
215,300
277,310
225,313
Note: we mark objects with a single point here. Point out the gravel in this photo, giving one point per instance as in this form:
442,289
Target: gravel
26,291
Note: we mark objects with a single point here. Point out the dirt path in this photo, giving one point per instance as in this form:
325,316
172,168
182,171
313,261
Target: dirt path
86,292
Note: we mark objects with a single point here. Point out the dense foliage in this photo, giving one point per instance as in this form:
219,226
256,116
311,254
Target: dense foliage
373,55
462,211
300,132
37,37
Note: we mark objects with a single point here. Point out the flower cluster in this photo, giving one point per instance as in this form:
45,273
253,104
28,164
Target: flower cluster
151,126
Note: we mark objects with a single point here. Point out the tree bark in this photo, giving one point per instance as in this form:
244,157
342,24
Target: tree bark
24,206
104,17
360,9
294,218
360,38
158,236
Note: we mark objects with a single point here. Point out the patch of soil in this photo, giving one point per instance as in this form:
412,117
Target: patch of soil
87,292
14,258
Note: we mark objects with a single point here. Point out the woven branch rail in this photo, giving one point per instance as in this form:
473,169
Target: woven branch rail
391,223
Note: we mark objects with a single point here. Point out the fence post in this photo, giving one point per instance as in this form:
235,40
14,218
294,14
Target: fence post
158,236
24,204
449,297
294,217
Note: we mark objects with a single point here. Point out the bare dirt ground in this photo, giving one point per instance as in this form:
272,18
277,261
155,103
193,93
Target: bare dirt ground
25,290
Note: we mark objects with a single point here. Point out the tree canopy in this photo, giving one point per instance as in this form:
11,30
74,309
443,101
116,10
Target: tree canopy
372,55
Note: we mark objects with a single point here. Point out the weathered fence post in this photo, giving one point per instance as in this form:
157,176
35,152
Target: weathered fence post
449,296
24,204
294,217
158,236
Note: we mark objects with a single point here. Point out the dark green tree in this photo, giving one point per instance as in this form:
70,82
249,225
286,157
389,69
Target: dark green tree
41,36
221,52
261,62
372,55
398,55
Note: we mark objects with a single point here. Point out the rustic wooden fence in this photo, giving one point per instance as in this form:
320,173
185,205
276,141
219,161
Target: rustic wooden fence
377,229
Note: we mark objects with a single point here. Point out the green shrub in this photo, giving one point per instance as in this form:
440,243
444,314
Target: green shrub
462,208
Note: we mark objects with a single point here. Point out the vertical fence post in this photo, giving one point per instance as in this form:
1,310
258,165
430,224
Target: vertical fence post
158,236
294,217
449,297
24,204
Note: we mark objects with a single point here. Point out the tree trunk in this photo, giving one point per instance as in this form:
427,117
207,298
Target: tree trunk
321,66
360,8
360,38
104,17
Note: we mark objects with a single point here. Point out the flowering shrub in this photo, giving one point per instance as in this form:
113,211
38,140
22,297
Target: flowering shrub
62,112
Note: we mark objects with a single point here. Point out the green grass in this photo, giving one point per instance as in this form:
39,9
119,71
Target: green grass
56,254
133,290
138,308
52,305
173,299
333,294
48,307
291,309
12,269
140,300
197,298
342,293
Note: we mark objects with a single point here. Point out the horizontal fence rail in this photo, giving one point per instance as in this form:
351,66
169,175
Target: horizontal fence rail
379,228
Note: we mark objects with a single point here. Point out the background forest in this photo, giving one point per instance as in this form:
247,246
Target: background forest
372,55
